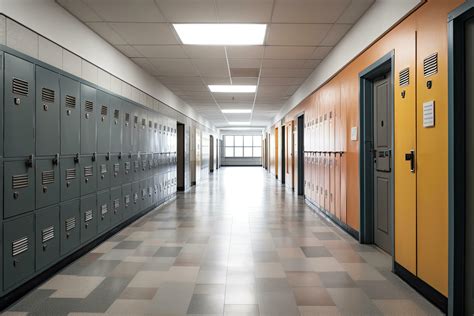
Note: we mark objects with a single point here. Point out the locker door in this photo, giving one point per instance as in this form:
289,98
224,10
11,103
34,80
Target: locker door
155,135
156,189
103,122
1,138
126,169
135,131
70,116
47,181
332,186
143,194
70,221
143,132
337,184
88,217
320,179
127,201
47,112
70,174
116,214
116,125
104,170
19,250
103,211
135,167
135,197
150,143
116,172
326,181
88,120
19,107
19,187
126,128
88,174
47,236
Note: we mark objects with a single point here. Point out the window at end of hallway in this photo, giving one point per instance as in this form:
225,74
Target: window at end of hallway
247,146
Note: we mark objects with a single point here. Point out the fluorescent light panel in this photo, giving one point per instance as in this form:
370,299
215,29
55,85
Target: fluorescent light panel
236,111
233,88
221,33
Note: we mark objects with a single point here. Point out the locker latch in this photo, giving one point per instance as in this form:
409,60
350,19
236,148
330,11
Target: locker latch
56,159
76,158
120,155
93,157
29,162
411,157
107,156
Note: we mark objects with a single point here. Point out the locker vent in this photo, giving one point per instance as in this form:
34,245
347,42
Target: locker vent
88,171
143,122
47,95
135,165
88,215
19,246
103,169
70,101
156,125
47,234
47,177
116,203
70,173
116,114
70,223
430,65
127,117
127,165
404,77
20,181
150,124
116,167
89,106
103,209
127,199
103,110
20,87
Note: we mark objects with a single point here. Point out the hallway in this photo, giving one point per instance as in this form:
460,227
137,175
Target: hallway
229,247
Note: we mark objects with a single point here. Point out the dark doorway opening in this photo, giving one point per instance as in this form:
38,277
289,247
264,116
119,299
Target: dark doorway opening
180,172
283,154
301,154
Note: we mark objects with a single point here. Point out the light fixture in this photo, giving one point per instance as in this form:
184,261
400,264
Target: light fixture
239,123
236,111
221,33
233,88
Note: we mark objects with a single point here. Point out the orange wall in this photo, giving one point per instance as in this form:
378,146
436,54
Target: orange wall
421,221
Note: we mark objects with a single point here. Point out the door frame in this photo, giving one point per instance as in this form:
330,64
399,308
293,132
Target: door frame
366,163
180,155
283,154
300,122
456,166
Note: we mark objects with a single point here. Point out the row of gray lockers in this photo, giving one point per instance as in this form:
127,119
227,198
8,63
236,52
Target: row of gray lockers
34,241
46,113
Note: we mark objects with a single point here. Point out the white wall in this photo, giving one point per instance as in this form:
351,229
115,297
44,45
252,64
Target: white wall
92,58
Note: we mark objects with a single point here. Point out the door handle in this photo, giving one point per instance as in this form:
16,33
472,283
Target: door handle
411,157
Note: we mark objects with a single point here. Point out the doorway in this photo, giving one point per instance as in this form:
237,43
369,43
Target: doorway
376,163
301,154
283,154
180,172
211,153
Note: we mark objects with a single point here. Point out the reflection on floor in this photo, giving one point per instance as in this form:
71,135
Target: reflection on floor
237,245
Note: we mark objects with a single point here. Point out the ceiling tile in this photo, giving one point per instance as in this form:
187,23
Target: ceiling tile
312,63
192,88
308,11
297,34
174,67
226,97
188,11
321,52
198,51
126,10
288,52
106,32
283,63
239,11
128,50
354,11
281,81
80,10
212,67
236,105
245,51
145,33
285,72
174,80
216,80
276,90
244,63
335,34
243,80
161,51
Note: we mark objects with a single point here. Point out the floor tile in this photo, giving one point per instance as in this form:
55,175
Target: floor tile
312,296
206,304
316,251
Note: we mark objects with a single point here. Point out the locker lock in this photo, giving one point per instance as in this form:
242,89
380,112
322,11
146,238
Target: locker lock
429,84
87,115
45,189
15,262
45,107
16,195
68,184
411,157
67,235
68,112
44,247
86,180
93,157
17,101
107,157
120,156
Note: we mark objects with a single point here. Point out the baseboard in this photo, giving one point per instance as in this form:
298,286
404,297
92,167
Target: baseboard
431,294
241,165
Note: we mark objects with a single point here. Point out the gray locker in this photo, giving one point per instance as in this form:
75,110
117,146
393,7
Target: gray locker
116,173
156,163
127,201
135,197
135,167
154,136
47,236
70,177
70,116
135,130
88,217
47,181
70,226
89,173
103,122
150,143
19,187
156,189
116,125
47,112
150,196
126,168
104,170
143,166
149,165
88,120
103,211
1,140
127,125
143,194
143,131
116,213
19,107
19,250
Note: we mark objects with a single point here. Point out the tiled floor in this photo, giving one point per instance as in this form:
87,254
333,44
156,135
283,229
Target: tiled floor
237,245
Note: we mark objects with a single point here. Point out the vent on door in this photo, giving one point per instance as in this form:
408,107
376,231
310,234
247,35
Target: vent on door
88,216
20,181
47,95
70,223
404,77
70,173
47,234
127,166
127,199
19,246
70,101
116,203
88,171
103,209
103,110
430,65
47,177
89,106
20,87
103,169
116,114
116,167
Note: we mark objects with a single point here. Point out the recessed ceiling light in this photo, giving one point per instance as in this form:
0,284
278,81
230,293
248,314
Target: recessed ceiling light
236,111
239,123
221,33
233,88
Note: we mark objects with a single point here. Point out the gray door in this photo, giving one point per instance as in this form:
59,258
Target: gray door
135,129
47,181
88,120
382,163
47,236
70,178
103,122
47,112
143,132
116,173
70,226
19,107
70,116
116,124
127,201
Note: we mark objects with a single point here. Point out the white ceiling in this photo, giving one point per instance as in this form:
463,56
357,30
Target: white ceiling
300,34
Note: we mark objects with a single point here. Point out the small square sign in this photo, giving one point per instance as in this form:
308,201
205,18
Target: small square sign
428,114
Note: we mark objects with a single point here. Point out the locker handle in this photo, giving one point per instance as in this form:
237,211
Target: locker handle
56,159
93,157
29,162
411,157
107,156
76,158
